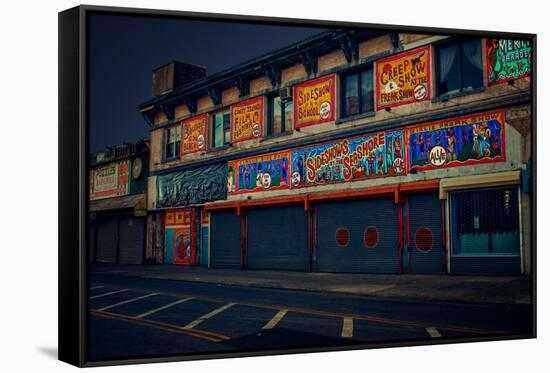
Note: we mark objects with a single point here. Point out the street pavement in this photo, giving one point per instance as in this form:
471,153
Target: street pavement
149,317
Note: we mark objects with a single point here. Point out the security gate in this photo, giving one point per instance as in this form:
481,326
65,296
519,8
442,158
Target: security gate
132,240
359,236
91,241
424,241
225,250
277,238
107,240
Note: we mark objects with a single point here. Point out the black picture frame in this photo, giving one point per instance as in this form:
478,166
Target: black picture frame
73,177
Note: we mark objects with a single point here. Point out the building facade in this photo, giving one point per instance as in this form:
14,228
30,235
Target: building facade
118,204
349,151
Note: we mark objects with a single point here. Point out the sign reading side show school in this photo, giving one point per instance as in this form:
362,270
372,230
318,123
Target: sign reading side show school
508,59
110,180
256,174
247,119
194,134
374,155
459,141
314,102
403,78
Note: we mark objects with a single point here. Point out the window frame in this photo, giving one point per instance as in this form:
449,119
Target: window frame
224,130
175,155
285,127
358,71
462,91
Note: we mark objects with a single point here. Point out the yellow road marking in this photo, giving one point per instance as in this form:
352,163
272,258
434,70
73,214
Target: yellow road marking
433,332
347,327
275,320
192,324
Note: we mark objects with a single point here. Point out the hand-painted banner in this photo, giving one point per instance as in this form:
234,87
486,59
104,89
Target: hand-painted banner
110,180
459,141
247,119
508,59
183,246
256,174
194,134
403,78
364,157
314,101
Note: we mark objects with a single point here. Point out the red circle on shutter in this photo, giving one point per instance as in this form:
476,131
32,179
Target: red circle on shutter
423,239
370,237
342,236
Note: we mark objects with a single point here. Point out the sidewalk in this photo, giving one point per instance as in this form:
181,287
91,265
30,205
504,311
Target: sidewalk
468,289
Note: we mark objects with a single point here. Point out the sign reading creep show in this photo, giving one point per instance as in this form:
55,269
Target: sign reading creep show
403,78
247,119
194,134
508,59
314,102
459,141
255,174
110,180
373,155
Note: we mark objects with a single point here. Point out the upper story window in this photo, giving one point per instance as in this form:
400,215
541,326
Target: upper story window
221,129
172,143
280,115
459,66
357,93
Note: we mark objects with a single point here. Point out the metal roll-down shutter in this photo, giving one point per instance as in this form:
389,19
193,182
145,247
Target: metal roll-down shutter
107,240
358,236
225,249
277,238
132,240
425,232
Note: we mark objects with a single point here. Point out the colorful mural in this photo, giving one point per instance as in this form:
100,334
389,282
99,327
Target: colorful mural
368,156
403,78
110,180
194,132
183,254
508,59
455,142
247,119
254,174
314,101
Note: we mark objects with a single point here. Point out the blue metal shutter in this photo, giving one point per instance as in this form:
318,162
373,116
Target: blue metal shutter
277,238
355,217
225,251
132,240
107,240
425,227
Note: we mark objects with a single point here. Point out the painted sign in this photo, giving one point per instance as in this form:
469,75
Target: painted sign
508,59
110,180
314,101
403,78
247,119
255,174
194,132
459,141
363,157
182,246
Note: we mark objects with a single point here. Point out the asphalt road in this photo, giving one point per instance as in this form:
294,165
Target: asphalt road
136,317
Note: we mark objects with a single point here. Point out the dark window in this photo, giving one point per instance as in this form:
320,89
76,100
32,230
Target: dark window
485,222
221,129
279,115
358,94
172,142
459,66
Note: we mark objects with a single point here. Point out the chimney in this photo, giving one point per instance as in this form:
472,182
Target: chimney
175,74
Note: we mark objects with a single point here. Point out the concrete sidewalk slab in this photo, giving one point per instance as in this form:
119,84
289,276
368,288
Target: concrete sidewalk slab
449,288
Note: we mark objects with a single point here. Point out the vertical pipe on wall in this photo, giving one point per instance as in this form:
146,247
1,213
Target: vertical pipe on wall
310,238
400,242
193,238
443,238
408,230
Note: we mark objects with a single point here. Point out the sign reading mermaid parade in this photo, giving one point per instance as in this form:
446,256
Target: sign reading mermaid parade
508,59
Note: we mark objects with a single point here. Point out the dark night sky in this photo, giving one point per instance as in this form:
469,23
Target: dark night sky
124,50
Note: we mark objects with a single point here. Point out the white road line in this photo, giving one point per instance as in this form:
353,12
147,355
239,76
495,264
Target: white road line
97,287
433,332
275,320
347,327
126,301
109,293
148,313
192,324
